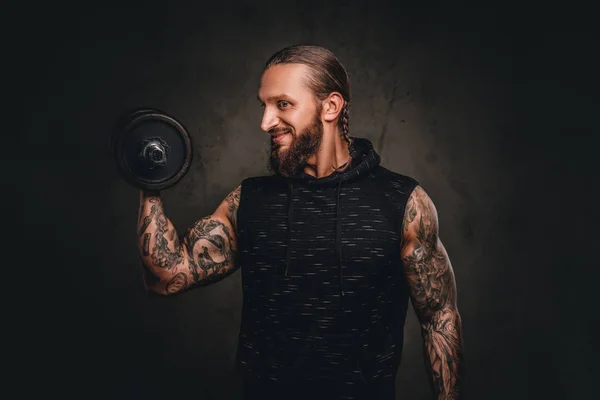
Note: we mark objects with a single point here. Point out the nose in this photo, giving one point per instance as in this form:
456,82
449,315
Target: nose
269,119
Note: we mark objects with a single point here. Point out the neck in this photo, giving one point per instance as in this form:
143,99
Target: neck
333,155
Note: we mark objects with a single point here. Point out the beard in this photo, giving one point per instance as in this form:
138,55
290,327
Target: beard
290,162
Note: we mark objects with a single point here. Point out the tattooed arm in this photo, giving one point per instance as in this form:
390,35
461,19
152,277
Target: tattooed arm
433,293
205,254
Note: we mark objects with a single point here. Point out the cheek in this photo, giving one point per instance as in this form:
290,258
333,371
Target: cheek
299,124
298,120
291,125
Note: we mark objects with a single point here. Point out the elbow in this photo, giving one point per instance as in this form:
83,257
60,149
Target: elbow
165,280
168,284
156,289
154,281
442,318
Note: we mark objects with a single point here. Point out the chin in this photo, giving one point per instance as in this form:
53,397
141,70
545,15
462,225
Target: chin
279,146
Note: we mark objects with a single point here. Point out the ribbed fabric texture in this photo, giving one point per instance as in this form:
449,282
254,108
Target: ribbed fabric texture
324,296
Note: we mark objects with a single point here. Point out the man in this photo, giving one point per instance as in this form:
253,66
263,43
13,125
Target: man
331,247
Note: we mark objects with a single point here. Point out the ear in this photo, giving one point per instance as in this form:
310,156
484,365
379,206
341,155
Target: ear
332,106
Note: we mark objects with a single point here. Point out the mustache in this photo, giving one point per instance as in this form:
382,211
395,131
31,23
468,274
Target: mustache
279,130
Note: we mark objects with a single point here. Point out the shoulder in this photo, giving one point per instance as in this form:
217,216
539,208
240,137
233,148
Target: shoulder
395,180
419,200
396,187
260,180
261,185
420,214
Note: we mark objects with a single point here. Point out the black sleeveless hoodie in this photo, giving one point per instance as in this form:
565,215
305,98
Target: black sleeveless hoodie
324,295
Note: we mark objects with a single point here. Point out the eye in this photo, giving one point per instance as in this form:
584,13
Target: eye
283,103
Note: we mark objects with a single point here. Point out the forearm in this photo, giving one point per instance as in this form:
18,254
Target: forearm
158,243
442,339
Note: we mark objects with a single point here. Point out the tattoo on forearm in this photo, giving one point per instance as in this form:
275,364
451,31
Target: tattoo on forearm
177,284
213,244
442,347
162,255
146,247
431,279
148,219
152,200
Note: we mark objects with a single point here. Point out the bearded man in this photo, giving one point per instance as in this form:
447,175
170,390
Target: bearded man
331,247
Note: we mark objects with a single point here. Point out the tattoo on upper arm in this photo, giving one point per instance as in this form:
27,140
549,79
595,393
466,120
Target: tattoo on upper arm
426,266
211,250
233,202
410,213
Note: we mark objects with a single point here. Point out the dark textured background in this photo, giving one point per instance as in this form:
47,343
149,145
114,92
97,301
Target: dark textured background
490,109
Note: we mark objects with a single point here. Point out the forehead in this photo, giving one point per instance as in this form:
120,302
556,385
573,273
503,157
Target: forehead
284,78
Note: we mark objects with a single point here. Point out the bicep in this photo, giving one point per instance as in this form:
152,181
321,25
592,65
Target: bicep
211,243
208,248
427,267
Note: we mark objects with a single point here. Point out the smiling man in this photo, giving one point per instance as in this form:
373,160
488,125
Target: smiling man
293,118
331,247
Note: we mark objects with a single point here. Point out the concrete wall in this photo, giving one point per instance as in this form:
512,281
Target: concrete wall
454,98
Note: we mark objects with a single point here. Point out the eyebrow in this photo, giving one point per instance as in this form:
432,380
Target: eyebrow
282,96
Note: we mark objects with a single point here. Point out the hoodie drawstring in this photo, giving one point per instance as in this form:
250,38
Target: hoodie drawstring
338,232
288,252
338,236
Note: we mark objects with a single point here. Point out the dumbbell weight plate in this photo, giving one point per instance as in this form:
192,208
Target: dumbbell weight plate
152,149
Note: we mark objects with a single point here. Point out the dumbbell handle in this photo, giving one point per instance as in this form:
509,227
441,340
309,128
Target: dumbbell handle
154,152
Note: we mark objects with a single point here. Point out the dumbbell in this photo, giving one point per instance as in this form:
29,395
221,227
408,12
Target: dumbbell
152,149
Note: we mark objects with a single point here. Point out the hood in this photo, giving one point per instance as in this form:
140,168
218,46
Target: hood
364,159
